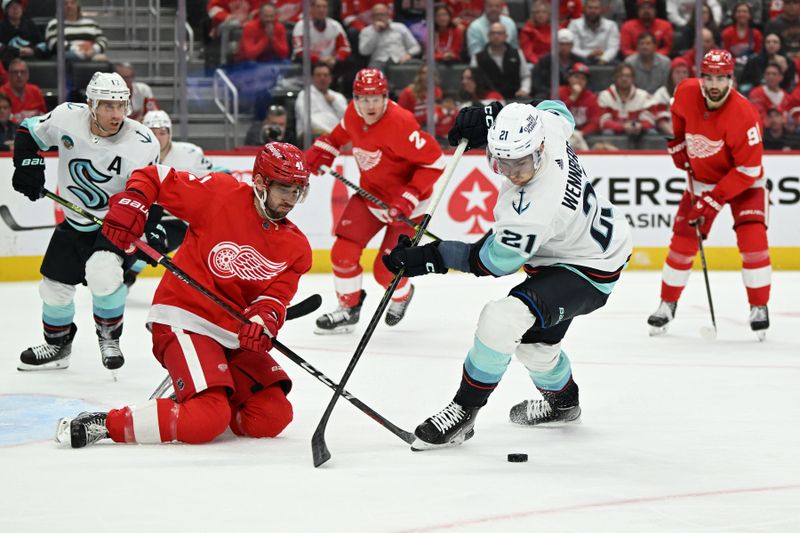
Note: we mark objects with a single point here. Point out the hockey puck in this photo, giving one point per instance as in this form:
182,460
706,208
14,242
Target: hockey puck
517,457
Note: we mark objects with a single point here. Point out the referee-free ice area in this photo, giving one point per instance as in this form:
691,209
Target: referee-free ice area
679,433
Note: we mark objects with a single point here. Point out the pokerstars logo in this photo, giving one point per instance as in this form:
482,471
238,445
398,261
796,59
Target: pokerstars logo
366,160
700,146
473,201
228,259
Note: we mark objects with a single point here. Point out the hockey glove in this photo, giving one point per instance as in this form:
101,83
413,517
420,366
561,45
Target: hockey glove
28,177
403,205
322,152
125,220
417,260
704,211
156,236
473,123
677,149
257,335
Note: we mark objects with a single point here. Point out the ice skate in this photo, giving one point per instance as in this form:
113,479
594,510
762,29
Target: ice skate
659,320
759,321
449,427
82,430
397,310
52,355
342,320
112,355
541,413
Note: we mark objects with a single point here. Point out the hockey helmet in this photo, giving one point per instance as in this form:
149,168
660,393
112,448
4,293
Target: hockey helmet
283,163
370,81
515,140
157,119
717,62
108,86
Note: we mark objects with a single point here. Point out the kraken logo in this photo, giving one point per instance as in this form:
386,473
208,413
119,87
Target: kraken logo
85,178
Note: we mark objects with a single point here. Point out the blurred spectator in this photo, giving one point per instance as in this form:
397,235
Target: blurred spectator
770,95
264,38
776,136
708,43
753,72
274,128
355,16
288,12
411,13
142,98
741,39
8,128
83,37
651,68
614,10
729,12
504,64
681,12
773,8
3,75
385,41
582,103
646,21
477,89
569,10
328,41
684,40
415,96
327,105
478,31
625,107
449,38
19,36
465,11
25,98
534,37
662,99
787,25
24,4
566,60
230,12
596,38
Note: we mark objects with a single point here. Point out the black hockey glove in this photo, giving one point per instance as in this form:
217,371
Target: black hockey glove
472,124
417,260
28,177
156,236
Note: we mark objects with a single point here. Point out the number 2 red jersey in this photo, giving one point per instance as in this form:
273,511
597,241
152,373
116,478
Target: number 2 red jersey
392,153
724,145
229,249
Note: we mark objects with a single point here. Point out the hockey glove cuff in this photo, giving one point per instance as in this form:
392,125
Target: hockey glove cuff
677,149
403,205
416,260
322,152
28,177
125,220
258,334
473,123
704,211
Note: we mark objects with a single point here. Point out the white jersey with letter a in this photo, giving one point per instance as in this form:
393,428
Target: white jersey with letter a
187,157
90,168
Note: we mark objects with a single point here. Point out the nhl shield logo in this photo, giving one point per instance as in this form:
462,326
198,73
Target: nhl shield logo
66,140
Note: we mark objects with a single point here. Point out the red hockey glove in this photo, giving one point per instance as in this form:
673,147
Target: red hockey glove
322,152
403,205
125,220
257,335
677,149
704,211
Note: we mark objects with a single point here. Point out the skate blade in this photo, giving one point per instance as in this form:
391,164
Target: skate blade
657,330
114,374
55,365
761,334
342,330
553,424
63,435
420,445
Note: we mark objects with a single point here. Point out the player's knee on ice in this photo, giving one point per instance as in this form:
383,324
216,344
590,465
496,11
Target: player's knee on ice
265,414
502,324
539,357
204,417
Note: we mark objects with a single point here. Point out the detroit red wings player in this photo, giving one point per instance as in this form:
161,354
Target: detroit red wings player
240,246
399,164
718,139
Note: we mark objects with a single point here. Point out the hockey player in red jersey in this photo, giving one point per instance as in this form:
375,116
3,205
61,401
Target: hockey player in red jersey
718,140
242,248
399,164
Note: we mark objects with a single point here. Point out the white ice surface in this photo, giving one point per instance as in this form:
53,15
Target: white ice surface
678,434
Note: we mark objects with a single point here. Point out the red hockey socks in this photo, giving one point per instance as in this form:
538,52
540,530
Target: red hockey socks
756,265
677,267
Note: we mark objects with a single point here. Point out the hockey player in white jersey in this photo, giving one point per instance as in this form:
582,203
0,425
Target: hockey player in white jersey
572,243
98,148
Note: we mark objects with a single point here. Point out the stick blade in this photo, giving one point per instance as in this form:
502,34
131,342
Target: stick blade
319,449
309,305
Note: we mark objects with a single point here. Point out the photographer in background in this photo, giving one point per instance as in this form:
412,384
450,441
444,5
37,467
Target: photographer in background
274,128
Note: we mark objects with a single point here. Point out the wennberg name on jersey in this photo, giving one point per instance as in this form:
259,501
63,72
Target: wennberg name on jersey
187,157
90,168
557,217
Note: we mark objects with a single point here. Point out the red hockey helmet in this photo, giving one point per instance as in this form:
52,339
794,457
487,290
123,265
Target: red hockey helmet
717,62
370,81
282,162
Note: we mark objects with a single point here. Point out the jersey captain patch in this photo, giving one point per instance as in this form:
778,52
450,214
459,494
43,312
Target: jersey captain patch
699,146
228,259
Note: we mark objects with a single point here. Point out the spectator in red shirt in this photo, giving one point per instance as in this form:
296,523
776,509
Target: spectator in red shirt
477,89
661,102
580,101
264,38
449,40
534,37
234,12
646,21
740,38
8,128
770,95
568,10
465,11
287,11
26,98
415,96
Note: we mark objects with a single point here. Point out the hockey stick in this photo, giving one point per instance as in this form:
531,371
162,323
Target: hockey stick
300,309
8,218
374,199
705,331
184,277
319,448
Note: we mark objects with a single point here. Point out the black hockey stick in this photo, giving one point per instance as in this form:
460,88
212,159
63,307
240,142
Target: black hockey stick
374,199
704,332
8,218
300,309
319,448
184,277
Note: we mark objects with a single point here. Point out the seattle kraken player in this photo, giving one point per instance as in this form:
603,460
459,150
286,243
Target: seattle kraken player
98,148
571,242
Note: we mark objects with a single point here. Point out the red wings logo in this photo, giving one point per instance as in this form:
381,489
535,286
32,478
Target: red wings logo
700,147
473,200
366,160
228,259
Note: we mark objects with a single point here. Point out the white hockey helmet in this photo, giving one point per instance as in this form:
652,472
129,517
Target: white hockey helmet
516,138
108,86
157,119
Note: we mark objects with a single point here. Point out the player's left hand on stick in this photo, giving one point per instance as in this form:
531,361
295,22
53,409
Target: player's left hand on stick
124,223
322,152
257,335
28,178
403,205
156,236
417,260
704,211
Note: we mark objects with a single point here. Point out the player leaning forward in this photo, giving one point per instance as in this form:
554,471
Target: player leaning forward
243,249
572,243
98,148
717,140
